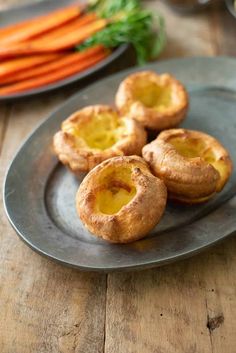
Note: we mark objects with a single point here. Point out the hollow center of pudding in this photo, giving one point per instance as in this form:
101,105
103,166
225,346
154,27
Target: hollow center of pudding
152,95
190,148
117,190
102,131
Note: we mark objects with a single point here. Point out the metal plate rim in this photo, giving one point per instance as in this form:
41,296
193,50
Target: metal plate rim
125,268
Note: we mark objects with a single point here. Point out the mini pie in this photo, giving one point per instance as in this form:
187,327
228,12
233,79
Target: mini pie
193,165
120,200
94,134
158,101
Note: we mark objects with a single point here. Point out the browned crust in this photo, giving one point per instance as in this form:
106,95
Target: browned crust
80,158
190,180
150,118
135,219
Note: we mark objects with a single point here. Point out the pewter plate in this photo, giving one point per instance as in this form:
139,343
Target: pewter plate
39,192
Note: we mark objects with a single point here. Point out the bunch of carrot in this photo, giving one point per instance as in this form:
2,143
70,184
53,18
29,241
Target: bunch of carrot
40,51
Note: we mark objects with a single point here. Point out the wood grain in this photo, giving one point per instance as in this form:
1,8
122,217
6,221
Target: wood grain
4,114
220,282
224,30
46,308
187,307
186,35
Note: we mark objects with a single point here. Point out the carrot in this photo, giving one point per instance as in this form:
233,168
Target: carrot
12,66
54,76
68,41
41,25
56,64
8,30
67,28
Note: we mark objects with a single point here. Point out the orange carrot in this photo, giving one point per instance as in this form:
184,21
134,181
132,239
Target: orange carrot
54,76
12,66
8,30
68,41
56,64
39,26
65,29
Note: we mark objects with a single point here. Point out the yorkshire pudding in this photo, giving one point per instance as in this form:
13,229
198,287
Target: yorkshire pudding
120,200
192,164
94,134
158,101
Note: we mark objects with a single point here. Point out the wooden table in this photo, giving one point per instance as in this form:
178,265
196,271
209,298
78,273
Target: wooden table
185,307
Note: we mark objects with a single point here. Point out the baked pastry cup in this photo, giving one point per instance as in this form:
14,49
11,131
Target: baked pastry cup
193,165
157,101
120,200
94,134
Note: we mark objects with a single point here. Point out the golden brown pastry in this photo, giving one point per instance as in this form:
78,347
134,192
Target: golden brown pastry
120,200
94,134
193,165
157,101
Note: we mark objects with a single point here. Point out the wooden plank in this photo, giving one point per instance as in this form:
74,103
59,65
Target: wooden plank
4,115
223,30
186,35
157,311
220,288
228,46
45,307
183,308
221,281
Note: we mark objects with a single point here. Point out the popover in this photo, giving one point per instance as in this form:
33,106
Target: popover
94,134
157,101
192,164
120,200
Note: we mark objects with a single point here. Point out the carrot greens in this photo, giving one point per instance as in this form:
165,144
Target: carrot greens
128,23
